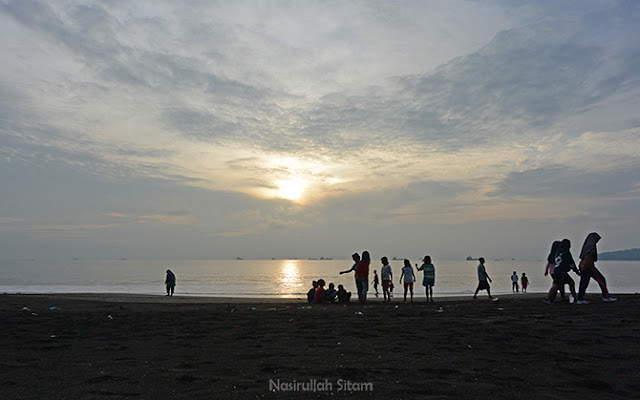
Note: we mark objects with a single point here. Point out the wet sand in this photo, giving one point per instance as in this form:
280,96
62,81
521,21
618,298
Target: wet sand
153,347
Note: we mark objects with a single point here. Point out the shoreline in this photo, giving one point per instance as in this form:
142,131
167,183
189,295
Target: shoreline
206,299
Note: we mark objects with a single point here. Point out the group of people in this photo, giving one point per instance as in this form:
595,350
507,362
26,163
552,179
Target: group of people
514,282
360,269
560,262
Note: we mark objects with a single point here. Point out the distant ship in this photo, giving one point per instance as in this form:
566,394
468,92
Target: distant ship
469,258
239,258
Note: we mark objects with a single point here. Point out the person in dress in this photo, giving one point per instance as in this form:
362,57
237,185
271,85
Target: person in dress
170,282
588,270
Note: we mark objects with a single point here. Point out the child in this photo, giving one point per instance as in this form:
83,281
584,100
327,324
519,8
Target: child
312,292
330,294
525,282
514,282
319,295
409,278
375,281
387,276
429,279
343,295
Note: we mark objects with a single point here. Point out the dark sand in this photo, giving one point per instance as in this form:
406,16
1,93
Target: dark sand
152,347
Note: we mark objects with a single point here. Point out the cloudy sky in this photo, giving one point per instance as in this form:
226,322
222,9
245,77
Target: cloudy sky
203,129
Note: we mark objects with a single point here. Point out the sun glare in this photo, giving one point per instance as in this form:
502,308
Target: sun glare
291,190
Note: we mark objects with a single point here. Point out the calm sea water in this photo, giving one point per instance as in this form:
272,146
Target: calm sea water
269,278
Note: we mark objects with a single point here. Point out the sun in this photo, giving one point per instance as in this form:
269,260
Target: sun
291,189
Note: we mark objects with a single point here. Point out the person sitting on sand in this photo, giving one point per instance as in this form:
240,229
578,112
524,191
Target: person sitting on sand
525,282
588,257
356,259
387,277
514,282
483,279
319,295
429,278
563,264
343,295
376,281
409,278
170,282
312,292
330,294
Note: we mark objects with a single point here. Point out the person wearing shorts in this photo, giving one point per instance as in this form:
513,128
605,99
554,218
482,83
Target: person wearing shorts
483,279
429,279
409,278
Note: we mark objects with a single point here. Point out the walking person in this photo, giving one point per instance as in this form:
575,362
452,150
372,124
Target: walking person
514,282
376,281
170,282
563,264
409,278
387,277
483,279
551,266
362,274
356,259
429,278
588,270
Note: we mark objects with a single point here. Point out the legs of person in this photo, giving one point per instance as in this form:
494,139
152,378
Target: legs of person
431,292
172,289
585,277
168,289
475,295
489,292
572,286
406,286
551,296
597,275
411,289
359,288
365,289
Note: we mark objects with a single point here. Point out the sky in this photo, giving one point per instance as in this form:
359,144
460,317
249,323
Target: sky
259,129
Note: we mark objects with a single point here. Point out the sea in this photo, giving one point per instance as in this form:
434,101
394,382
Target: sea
272,278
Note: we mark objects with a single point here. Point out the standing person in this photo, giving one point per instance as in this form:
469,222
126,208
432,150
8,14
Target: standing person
483,279
170,282
409,278
429,279
514,282
376,281
588,257
551,266
362,274
356,259
525,282
563,264
387,277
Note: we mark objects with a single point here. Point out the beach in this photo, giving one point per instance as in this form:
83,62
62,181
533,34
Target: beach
87,346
